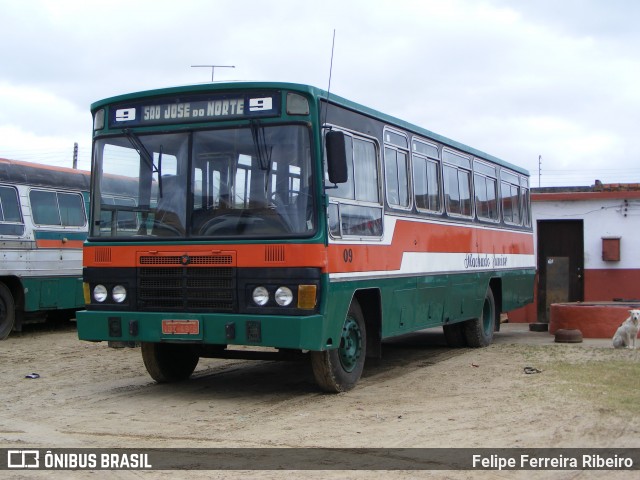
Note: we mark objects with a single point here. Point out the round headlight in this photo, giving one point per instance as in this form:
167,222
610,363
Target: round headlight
100,293
260,296
284,296
119,294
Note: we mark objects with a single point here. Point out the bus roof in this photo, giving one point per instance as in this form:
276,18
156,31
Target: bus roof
27,173
315,92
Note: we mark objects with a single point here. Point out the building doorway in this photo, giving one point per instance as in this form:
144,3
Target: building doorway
560,264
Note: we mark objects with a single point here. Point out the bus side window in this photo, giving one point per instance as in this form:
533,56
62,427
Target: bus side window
509,202
10,216
510,190
356,209
334,220
396,169
366,171
44,207
347,189
486,190
526,202
457,189
57,208
71,209
426,176
457,183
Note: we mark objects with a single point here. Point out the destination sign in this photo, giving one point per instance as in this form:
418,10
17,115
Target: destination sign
195,109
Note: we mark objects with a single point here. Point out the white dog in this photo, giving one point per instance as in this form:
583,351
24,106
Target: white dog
626,334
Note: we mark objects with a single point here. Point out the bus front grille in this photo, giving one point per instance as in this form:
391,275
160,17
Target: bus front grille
187,289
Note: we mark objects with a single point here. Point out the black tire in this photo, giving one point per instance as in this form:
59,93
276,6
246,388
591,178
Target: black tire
340,369
454,335
538,327
479,332
169,362
572,335
7,311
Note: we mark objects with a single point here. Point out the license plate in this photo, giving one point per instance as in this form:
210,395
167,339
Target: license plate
180,327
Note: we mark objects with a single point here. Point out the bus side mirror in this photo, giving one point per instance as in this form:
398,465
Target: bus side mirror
336,157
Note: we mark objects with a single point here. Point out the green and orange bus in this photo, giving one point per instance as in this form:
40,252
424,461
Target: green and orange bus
279,215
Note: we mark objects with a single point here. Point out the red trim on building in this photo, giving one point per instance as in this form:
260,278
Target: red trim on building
609,284
578,196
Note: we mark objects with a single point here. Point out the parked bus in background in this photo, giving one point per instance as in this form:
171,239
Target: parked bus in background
277,215
43,224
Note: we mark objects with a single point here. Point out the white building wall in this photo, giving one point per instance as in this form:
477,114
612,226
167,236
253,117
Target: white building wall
602,218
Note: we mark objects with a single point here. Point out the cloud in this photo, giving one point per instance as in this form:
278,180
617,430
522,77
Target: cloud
42,112
38,126
515,79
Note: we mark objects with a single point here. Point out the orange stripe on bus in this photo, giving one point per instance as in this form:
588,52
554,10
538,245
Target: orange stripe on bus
427,237
59,243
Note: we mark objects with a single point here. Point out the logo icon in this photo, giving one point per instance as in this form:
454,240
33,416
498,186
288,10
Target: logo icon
23,459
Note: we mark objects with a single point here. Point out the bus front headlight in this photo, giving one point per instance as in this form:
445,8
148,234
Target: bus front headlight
100,293
119,294
260,296
284,296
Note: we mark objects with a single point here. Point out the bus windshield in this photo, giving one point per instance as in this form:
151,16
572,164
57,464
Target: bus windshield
251,181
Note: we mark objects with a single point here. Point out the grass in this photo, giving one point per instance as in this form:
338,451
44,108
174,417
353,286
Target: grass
614,384
606,377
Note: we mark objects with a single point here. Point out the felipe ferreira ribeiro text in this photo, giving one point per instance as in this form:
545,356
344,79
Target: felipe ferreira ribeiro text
584,462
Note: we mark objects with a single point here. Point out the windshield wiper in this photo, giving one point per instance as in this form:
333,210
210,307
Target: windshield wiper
146,156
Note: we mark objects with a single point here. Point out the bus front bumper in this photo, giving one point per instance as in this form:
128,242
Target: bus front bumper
293,332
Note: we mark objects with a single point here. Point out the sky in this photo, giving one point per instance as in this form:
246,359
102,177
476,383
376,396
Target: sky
549,85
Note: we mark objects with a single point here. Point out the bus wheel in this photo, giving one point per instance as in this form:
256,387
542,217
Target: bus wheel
169,362
339,370
479,332
7,311
454,335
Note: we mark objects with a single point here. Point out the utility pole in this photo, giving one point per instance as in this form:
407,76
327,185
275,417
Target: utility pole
213,68
539,169
75,155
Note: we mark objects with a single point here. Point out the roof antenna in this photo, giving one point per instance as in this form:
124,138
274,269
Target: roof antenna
333,44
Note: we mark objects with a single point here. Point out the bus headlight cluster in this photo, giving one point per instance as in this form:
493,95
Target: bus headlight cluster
284,296
101,293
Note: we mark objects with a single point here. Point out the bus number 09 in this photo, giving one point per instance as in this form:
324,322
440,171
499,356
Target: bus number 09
347,255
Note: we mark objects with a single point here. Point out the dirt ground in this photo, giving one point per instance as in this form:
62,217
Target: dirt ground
422,394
